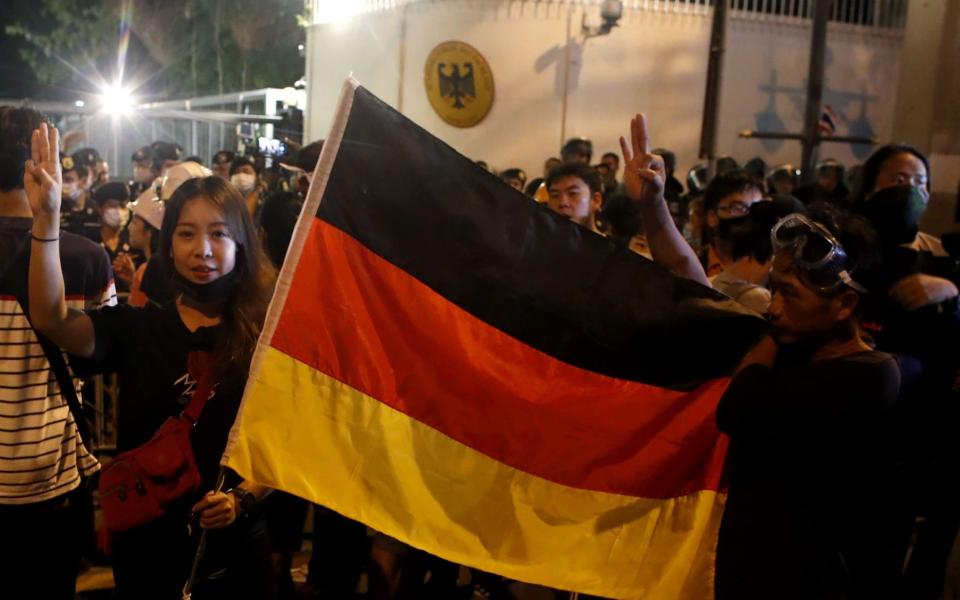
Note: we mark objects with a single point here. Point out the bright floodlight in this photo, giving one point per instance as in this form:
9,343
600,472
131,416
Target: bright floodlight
116,100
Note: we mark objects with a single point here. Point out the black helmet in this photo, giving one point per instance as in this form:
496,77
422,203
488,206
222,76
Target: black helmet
697,178
141,155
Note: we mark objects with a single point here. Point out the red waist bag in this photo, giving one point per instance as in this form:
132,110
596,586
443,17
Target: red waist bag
140,484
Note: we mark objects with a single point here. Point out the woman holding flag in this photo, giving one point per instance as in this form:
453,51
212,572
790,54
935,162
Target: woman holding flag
182,370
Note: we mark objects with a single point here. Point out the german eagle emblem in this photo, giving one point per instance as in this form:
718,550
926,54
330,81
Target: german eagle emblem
457,86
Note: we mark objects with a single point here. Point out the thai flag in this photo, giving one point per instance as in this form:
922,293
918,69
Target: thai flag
828,122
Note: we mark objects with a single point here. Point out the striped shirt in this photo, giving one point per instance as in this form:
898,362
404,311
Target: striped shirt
41,453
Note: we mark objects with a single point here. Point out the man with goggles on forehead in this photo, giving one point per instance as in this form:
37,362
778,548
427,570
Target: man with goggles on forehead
808,416
813,507
813,253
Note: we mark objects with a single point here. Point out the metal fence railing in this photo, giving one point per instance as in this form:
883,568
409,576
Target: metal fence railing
201,126
882,14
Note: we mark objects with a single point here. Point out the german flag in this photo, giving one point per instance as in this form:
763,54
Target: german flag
458,367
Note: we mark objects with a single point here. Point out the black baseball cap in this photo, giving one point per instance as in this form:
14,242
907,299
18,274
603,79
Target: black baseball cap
164,151
114,190
144,154
85,158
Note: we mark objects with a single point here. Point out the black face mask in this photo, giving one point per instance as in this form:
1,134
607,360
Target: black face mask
895,214
727,227
217,291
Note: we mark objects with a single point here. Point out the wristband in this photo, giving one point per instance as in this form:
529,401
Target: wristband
246,501
39,239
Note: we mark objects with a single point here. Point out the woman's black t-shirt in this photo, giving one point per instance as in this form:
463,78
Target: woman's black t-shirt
150,348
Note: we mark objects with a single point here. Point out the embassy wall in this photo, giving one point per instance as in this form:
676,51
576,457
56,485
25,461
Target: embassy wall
551,84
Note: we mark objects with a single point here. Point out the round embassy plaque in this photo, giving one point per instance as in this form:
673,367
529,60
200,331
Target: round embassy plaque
459,83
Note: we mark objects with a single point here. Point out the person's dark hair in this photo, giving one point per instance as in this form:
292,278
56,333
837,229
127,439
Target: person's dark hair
514,173
223,156
16,128
278,217
669,158
728,183
623,217
532,186
579,146
751,236
614,155
757,168
245,311
867,178
581,170
114,190
246,160
860,242
726,164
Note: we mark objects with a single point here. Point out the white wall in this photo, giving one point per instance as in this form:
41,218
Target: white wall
654,62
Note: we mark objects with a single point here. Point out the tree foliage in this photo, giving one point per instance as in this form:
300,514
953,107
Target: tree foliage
177,48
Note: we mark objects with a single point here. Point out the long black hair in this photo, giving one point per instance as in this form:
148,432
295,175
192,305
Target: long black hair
245,311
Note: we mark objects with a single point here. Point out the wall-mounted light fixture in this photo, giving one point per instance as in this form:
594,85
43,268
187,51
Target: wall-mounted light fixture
610,13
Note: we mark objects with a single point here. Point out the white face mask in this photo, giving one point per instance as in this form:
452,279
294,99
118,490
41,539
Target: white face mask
245,181
142,175
112,217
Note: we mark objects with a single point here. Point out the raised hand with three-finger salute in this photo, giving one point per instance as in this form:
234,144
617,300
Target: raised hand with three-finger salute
42,180
644,177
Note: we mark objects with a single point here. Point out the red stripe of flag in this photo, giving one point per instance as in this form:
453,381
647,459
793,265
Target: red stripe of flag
369,324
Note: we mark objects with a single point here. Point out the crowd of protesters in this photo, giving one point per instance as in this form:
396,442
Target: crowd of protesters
842,468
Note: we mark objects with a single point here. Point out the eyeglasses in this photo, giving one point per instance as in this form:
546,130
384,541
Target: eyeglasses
819,257
736,209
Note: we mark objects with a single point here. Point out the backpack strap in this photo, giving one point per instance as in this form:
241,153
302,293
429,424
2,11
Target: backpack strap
15,274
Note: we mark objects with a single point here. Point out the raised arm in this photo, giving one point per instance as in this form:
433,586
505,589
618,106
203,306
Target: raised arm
72,330
644,176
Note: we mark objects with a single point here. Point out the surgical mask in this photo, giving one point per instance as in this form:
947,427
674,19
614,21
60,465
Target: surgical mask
112,217
895,214
142,175
244,181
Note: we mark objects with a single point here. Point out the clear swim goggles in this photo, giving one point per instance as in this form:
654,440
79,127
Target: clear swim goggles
819,258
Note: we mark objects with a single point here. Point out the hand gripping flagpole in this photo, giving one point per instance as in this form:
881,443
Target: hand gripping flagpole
201,546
